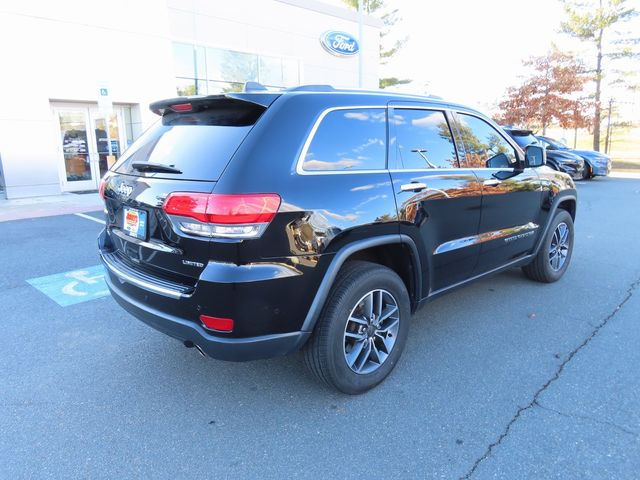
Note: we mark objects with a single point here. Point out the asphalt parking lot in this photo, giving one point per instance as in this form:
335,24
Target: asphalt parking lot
503,379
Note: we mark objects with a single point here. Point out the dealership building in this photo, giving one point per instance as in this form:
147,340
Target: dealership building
78,76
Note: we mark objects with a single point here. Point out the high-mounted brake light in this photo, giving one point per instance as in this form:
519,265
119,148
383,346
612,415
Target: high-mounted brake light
181,107
223,215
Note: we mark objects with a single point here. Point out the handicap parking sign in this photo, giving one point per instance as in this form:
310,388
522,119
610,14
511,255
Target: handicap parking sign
73,287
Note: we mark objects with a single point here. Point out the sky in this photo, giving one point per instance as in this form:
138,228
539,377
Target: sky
471,51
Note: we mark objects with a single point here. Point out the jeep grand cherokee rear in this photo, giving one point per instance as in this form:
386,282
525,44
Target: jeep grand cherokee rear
255,224
171,245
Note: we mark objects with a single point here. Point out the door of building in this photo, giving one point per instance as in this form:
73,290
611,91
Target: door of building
90,142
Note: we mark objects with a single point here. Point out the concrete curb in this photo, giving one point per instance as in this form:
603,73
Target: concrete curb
65,204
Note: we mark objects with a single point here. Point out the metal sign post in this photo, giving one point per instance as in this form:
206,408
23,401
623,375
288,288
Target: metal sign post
361,41
104,100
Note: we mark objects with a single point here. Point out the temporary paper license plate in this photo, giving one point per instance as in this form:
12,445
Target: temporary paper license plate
135,222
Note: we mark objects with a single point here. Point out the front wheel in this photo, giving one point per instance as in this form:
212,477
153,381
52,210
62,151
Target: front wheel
555,252
362,330
586,173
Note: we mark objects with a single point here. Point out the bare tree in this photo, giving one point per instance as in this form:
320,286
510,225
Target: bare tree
598,23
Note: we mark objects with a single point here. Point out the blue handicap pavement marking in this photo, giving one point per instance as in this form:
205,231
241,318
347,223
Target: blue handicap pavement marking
73,287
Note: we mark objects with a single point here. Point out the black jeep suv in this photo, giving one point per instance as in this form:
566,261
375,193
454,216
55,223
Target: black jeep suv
250,225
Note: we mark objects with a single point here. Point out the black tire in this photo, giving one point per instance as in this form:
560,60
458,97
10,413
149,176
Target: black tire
326,351
545,266
586,173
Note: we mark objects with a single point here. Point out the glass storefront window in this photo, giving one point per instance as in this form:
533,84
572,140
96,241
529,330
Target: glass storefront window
201,62
75,149
290,72
224,87
186,86
229,66
91,140
184,60
271,71
207,71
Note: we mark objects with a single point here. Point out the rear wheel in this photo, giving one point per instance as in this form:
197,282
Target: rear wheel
555,252
362,330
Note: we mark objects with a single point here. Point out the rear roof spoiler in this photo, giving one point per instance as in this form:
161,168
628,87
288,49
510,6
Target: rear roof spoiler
521,132
263,99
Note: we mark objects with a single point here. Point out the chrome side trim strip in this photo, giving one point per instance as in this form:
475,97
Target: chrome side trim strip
153,245
125,277
483,237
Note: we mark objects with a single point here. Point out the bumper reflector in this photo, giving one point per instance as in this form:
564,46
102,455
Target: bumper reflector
217,323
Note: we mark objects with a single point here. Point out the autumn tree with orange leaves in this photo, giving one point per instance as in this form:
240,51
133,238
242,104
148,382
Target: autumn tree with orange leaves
549,95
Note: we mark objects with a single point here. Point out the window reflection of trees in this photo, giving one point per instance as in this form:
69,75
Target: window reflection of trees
411,210
424,139
481,142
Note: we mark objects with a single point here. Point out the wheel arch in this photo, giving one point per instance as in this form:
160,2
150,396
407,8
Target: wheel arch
386,250
569,204
566,201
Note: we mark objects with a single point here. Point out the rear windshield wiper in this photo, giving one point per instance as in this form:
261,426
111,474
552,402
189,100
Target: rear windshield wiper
154,167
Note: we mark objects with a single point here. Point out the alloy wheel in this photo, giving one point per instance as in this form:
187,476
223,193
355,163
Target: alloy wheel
371,331
559,248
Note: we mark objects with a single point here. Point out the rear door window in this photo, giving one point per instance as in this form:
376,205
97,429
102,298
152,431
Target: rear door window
422,139
349,140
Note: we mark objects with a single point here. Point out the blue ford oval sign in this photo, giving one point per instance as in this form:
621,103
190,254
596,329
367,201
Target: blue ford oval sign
340,44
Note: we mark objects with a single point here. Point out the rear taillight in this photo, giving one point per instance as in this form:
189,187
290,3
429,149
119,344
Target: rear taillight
101,188
221,215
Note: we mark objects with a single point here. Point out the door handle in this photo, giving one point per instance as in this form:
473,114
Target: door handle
492,182
413,187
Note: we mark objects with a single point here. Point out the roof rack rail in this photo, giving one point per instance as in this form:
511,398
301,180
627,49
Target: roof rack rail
311,88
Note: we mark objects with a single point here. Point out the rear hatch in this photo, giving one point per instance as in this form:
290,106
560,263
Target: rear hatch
186,151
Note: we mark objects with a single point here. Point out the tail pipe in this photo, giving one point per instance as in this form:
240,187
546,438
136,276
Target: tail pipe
190,344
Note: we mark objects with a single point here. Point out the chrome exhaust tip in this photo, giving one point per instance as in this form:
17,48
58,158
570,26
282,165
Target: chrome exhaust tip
190,344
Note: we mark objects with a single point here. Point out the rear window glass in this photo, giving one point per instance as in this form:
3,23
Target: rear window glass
524,140
350,139
199,145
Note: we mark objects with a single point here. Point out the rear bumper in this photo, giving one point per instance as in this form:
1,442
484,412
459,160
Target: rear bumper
231,349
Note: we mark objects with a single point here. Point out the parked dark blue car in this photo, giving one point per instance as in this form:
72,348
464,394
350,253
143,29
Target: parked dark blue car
560,160
596,163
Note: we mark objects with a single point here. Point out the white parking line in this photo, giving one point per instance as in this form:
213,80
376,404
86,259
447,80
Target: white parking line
89,217
625,174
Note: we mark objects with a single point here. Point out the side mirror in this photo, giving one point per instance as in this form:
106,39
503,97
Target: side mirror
498,161
535,156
